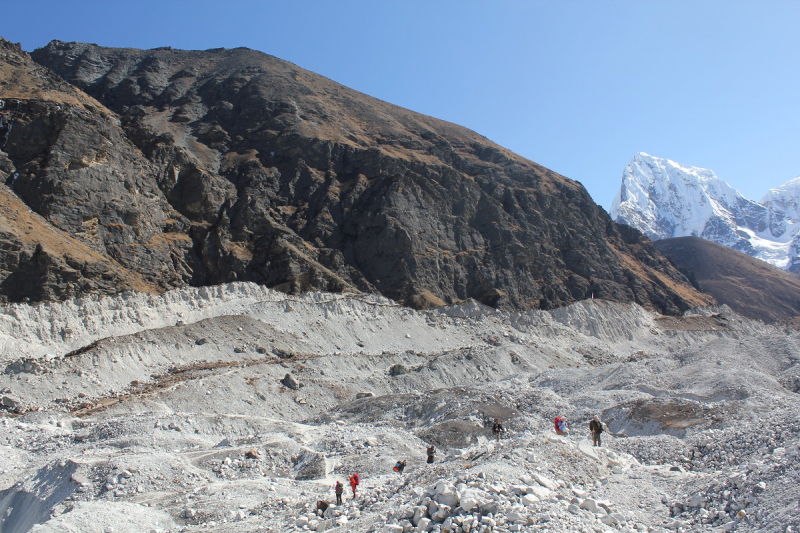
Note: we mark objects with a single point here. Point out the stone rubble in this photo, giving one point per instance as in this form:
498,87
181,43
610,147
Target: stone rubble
221,445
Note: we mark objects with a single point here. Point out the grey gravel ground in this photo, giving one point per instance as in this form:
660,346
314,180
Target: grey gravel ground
235,409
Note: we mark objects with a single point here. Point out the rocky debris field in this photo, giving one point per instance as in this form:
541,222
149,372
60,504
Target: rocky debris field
236,409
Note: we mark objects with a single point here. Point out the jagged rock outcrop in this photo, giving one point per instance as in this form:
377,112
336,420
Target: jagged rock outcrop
221,165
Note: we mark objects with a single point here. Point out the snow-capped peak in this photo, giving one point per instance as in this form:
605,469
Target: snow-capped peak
785,198
663,199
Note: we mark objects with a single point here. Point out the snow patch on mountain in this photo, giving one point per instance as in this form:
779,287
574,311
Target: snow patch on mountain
665,199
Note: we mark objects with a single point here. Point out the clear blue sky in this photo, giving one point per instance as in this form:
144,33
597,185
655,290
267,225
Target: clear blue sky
577,86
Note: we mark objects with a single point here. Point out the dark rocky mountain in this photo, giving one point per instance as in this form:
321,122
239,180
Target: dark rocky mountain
749,286
78,199
201,167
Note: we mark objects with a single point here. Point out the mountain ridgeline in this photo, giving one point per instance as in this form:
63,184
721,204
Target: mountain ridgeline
154,169
751,287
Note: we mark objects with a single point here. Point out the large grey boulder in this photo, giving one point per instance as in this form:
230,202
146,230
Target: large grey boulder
310,465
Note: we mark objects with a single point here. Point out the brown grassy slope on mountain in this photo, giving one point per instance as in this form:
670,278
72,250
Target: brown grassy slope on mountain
749,286
21,78
294,181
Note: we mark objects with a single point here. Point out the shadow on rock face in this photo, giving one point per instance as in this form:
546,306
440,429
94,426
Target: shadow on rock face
454,434
27,504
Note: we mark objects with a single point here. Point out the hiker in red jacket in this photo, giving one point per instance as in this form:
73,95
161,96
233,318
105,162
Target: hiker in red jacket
354,483
561,426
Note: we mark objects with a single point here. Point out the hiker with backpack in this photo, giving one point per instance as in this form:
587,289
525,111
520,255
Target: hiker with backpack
497,429
338,489
596,427
400,466
431,451
561,426
354,481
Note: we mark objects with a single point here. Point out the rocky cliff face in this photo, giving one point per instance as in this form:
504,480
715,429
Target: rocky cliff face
78,212
202,167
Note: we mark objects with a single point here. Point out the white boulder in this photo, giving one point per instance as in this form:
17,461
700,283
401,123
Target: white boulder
419,512
590,505
545,481
470,499
540,492
441,513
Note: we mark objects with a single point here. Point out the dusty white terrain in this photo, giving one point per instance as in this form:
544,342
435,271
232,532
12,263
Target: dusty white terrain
175,413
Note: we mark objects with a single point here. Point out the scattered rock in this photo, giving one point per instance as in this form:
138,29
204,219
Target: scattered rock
11,403
590,505
290,382
252,453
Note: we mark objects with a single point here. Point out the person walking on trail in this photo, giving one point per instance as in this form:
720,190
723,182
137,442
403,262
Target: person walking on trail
561,426
497,429
596,428
400,466
431,452
354,483
338,490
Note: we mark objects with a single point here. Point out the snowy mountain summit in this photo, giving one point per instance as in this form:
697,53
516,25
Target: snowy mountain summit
664,199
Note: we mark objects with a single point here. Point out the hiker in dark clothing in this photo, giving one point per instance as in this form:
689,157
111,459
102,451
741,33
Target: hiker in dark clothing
596,428
497,428
431,452
338,490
